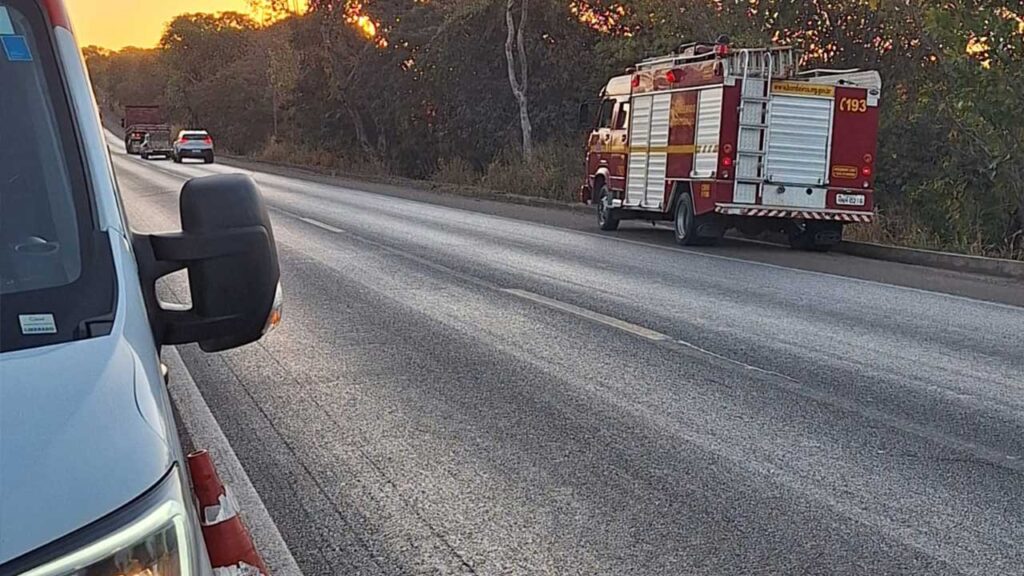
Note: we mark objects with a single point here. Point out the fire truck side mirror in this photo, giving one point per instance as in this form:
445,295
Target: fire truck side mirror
584,117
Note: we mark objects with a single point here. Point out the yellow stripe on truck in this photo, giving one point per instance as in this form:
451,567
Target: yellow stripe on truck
675,149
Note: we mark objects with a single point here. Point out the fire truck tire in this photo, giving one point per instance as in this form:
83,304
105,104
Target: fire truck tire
607,219
685,226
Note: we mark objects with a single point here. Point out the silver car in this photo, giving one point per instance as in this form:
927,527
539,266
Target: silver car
193,144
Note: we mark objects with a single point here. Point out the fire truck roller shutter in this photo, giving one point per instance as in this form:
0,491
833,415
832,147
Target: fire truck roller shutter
639,145
709,127
657,160
799,143
648,150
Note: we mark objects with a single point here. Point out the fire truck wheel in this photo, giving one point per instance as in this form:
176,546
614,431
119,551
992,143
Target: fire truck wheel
685,222
606,217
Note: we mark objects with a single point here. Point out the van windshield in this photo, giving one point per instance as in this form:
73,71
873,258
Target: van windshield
55,266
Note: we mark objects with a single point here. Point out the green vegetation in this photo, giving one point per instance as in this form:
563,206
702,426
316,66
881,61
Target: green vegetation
433,90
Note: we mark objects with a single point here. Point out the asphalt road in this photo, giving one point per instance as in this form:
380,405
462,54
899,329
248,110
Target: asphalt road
454,391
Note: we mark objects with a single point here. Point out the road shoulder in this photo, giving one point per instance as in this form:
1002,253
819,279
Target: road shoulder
203,431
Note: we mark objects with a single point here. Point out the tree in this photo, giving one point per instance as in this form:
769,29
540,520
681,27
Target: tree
409,85
519,82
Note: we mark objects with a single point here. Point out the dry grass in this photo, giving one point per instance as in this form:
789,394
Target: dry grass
556,173
896,228
320,160
456,171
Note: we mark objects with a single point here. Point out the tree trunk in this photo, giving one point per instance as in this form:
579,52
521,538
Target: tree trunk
338,86
519,85
273,92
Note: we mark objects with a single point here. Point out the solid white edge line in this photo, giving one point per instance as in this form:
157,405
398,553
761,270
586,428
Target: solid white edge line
204,431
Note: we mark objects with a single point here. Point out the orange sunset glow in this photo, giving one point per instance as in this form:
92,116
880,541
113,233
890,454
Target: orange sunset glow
115,24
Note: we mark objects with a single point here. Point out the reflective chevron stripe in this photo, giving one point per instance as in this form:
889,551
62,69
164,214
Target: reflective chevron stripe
863,217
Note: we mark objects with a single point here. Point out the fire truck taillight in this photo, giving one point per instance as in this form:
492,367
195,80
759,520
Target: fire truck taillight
866,171
726,160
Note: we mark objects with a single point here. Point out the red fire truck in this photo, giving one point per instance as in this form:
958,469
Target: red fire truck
715,138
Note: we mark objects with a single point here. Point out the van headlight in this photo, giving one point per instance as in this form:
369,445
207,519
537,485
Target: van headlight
149,537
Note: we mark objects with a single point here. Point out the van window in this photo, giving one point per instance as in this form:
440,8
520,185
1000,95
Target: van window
56,271
37,223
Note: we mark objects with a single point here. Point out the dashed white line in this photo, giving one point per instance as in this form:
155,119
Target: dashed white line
320,224
590,315
631,328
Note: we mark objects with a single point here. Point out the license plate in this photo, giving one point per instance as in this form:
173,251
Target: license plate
850,199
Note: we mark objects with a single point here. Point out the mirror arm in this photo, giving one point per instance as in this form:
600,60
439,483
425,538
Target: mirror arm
158,255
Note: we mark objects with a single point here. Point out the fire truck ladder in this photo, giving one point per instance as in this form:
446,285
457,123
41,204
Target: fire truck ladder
752,147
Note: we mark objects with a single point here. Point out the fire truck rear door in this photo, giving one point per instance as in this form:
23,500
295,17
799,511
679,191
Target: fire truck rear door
799,148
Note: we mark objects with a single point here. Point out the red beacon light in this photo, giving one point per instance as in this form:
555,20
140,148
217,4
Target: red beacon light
636,81
674,76
722,46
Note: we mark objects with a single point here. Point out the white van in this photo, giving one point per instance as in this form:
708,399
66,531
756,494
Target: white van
92,475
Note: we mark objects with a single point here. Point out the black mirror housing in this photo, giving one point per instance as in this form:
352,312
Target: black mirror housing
227,245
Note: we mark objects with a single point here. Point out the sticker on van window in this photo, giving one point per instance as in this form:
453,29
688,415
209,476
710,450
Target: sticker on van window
5,22
16,48
37,324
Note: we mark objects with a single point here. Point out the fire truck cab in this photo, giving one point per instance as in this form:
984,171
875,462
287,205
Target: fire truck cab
713,138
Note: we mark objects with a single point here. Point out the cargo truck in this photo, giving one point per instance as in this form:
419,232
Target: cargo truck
140,120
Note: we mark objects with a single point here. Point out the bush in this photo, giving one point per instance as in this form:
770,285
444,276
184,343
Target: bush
457,171
318,159
556,172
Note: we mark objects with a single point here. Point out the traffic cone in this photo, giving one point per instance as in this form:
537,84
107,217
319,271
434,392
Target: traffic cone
228,543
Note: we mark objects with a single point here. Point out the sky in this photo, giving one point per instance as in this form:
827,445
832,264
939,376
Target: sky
115,24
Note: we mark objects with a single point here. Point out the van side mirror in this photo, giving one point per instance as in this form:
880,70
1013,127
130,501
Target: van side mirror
583,118
227,246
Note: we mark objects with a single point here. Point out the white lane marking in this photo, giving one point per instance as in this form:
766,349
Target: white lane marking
561,229
313,183
781,267
202,427
996,457
590,315
320,224
631,328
